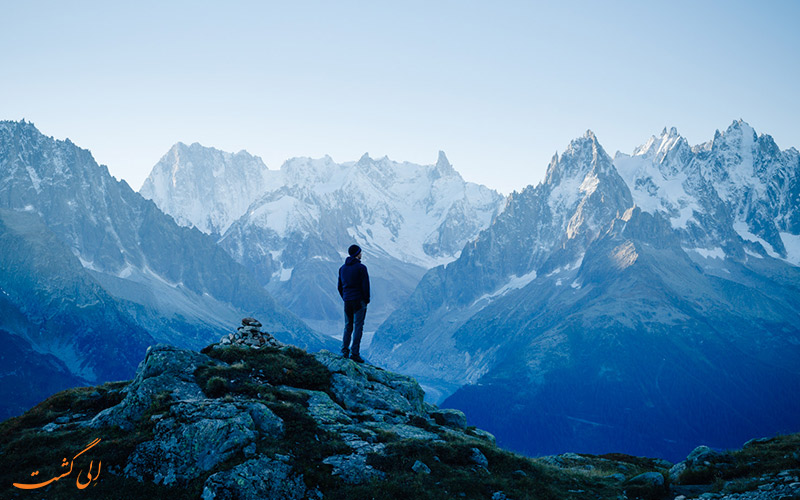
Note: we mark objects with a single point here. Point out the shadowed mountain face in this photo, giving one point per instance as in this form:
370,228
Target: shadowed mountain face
59,327
93,273
644,304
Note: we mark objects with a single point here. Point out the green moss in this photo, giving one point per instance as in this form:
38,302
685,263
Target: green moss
303,442
85,400
382,436
279,366
256,373
699,475
741,466
645,492
35,449
455,475
742,485
216,386
640,464
771,456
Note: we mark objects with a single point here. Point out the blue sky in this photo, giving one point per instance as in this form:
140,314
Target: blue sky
499,86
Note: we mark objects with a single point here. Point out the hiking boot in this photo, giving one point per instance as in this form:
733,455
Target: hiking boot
356,358
345,353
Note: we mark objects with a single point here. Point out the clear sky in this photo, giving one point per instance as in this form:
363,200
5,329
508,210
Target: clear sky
498,85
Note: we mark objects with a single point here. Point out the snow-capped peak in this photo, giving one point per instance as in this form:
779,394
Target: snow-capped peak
310,171
582,156
204,187
659,147
739,180
443,168
365,159
573,179
733,167
657,176
442,162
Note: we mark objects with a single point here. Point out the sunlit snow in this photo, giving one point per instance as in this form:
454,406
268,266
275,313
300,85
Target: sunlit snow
741,228
653,190
792,244
514,283
710,253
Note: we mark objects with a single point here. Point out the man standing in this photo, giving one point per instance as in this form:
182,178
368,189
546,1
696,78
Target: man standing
354,289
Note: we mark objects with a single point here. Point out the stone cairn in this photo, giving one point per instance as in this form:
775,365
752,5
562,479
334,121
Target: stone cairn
250,335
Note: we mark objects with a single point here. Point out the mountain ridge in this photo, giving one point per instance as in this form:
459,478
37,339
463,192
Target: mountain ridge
158,280
517,307
292,236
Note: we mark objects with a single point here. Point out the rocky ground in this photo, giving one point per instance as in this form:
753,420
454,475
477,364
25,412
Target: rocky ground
250,418
763,469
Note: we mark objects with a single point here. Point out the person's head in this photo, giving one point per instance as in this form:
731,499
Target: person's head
354,251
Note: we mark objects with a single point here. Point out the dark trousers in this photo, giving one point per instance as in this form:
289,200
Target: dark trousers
354,313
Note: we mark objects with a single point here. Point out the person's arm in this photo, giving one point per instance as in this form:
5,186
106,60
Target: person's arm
339,286
365,286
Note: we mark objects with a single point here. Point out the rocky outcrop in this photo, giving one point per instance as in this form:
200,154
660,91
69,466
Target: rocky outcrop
766,468
261,422
202,414
700,465
449,417
258,479
368,388
194,437
166,371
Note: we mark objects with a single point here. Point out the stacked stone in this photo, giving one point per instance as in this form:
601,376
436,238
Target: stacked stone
250,334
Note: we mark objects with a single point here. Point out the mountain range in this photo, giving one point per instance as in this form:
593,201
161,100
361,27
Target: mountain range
648,302
291,227
644,303
93,273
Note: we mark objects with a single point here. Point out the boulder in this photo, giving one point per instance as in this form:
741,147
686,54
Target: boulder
479,458
251,322
360,387
650,485
321,407
449,418
165,370
197,436
676,471
420,468
702,455
353,469
403,431
700,466
655,479
262,478
485,435
757,441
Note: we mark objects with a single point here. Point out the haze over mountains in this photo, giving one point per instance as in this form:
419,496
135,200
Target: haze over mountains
645,304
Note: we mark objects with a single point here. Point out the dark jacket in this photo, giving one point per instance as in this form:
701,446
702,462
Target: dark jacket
354,281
